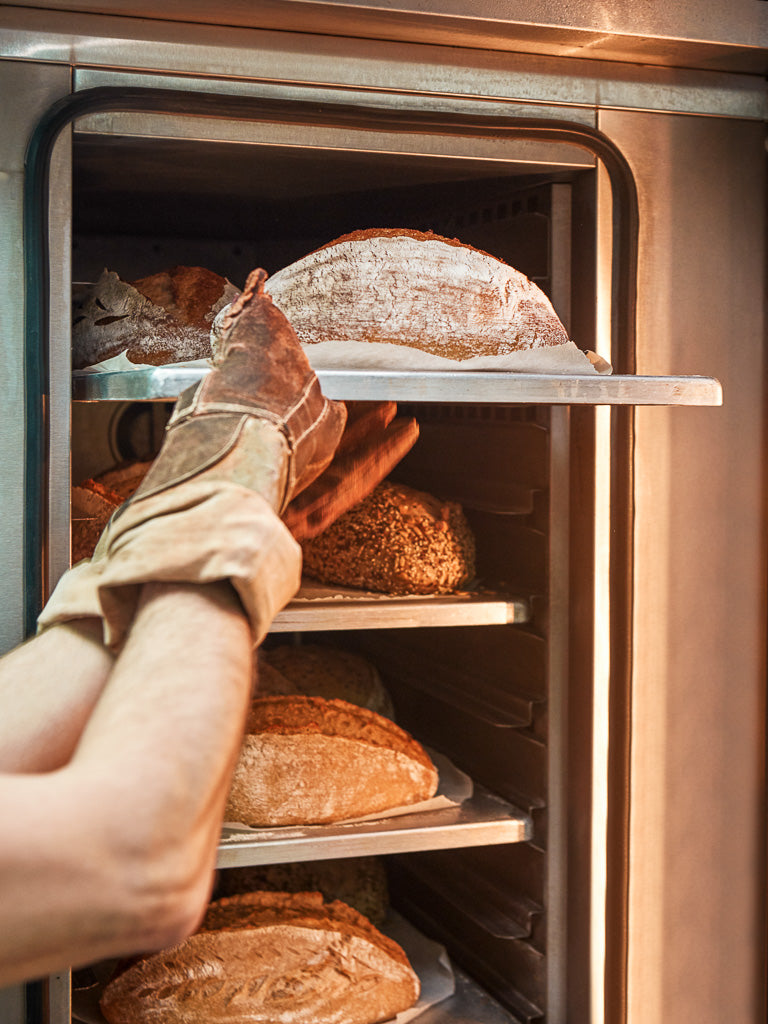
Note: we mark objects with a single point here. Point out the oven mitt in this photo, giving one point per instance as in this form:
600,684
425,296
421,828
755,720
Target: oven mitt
373,443
240,444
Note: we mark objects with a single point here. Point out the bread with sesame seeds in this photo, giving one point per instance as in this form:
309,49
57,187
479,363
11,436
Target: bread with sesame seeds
398,540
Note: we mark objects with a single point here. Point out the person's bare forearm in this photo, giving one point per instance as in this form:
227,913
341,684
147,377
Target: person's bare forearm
114,853
168,727
48,688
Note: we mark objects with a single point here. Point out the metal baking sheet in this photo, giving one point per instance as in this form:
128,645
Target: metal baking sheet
318,608
506,388
483,819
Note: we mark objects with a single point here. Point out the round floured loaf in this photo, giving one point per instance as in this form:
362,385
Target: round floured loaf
396,541
306,760
318,671
269,958
414,288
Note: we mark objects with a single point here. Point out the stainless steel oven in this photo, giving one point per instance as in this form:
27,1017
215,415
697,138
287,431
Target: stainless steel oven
605,686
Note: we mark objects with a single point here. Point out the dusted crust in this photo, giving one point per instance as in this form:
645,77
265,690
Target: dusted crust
396,541
163,318
306,760
269,958
415,289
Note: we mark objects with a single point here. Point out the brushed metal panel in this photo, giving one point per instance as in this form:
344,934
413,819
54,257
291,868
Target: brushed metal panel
40,85
683,32
697,872
557,74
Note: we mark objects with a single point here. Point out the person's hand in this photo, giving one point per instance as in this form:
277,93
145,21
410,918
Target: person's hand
261,398
373,443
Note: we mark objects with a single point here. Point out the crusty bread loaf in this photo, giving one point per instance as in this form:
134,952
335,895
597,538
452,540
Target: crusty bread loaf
306,760
360,882
319,671
269,958
96,499
162,318
396,541
414,288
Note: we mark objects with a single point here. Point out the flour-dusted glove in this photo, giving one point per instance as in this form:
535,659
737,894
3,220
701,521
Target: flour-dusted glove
252,434
373,443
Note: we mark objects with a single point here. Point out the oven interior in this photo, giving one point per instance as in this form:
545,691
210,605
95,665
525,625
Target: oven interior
509,704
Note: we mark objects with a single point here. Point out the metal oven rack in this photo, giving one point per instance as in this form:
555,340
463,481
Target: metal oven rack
485,819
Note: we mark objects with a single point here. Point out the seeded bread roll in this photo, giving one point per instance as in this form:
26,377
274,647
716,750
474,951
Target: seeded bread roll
360,882
306,760
396,541
414,288
269,958
319,671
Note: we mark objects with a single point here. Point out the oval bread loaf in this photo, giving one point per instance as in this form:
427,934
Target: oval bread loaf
306,760
414,288
396,541
269,958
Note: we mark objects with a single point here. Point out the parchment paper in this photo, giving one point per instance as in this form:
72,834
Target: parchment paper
347,355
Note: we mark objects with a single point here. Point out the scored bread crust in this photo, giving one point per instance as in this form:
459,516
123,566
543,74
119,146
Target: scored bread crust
162,318
412,288
269,958
307,760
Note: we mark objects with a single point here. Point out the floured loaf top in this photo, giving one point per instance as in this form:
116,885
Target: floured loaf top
418,289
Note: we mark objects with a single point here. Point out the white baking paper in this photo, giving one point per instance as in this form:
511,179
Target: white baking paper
374,355
348,355
428,959
121,363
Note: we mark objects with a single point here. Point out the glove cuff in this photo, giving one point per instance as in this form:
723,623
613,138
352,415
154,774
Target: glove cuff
198,532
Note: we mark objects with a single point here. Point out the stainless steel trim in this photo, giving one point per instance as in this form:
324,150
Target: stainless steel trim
60,277
163,383
483,819
732,38
406,66
40,86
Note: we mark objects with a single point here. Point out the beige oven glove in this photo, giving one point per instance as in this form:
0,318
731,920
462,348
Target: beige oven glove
254,433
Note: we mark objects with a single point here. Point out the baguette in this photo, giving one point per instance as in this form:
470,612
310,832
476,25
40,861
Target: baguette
269,958
307,760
